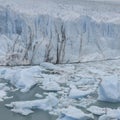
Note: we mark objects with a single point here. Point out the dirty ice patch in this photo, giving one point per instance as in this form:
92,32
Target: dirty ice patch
27,107
109,89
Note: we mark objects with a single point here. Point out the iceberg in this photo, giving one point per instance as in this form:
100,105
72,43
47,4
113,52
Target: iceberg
109,89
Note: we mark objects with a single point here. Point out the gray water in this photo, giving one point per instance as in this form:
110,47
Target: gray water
6,114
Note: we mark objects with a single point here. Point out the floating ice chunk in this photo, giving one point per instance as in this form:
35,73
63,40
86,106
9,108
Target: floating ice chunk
77,93
85,102
38,95
26,80
21,77
2,94
8,97
86,81
4,87
109,89
3,91
51,85
111,114
97,110
73,113
22,111
24,107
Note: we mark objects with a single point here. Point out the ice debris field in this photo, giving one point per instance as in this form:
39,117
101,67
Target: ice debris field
70,91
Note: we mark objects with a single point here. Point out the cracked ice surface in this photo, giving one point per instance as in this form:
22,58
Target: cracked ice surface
60,31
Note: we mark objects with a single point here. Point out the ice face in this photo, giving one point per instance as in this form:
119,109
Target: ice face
60,32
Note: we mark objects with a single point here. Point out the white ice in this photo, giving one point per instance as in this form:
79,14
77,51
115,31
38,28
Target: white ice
111,114
73,113
109,89
97,110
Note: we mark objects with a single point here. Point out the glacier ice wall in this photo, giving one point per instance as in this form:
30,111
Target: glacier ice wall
31,39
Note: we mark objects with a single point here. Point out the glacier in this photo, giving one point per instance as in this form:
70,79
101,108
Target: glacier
60,57
58,32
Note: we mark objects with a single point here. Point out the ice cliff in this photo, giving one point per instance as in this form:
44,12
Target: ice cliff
58,31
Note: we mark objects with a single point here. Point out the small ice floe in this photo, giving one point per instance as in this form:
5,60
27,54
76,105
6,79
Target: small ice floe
3,86
26,107
22,111
50,85
111,114
3,94
38,95
85,102
8,97
97,110
109,89
3,91
78,93
73,113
